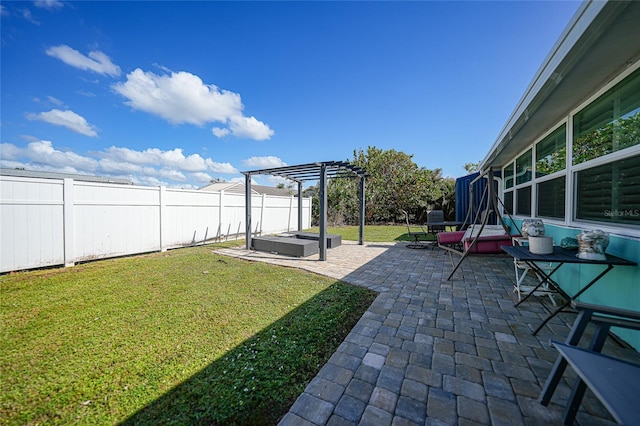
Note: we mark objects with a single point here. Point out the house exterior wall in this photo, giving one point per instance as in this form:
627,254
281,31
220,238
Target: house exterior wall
47,222
609,200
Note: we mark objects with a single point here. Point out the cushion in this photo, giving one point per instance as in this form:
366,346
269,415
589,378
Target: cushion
487,231
450,237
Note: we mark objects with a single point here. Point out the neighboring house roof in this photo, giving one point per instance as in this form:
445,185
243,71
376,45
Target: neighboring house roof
56,175
231,187
601,40
238,188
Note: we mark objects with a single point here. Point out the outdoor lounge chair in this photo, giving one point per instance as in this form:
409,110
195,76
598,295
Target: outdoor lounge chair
419,237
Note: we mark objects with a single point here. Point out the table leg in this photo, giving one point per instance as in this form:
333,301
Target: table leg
568,302
579,388
561,364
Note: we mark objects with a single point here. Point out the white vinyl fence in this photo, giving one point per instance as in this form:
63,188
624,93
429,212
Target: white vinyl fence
45,222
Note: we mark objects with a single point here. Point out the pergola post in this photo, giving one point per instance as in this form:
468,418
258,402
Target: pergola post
361,230
247,201
322,240
300,206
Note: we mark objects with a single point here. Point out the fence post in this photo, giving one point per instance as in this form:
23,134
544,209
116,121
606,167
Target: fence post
163,214
220,210
264,201
290,213
67,213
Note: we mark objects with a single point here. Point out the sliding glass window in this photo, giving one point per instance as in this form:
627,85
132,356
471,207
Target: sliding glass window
610,192
508,202
523,168
609,124
523,201
508,176
551,198
551,153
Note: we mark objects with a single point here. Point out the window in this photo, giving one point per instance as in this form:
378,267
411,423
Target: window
523,201
609,124
508,176
551,153
610,192
523,168
508,202
551,198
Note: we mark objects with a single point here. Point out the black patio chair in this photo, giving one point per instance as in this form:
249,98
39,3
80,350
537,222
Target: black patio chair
419,237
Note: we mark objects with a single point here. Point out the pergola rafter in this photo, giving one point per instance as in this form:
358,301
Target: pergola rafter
321,172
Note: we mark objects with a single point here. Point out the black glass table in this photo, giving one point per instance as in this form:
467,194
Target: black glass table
559,257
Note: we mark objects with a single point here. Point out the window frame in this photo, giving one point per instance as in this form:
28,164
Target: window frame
570,171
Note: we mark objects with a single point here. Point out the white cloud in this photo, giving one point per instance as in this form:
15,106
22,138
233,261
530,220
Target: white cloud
9,151
182,97
26,14
68,119
43,153
109,165
49,4
148,181
96,61
178,98
54,101
202,177
172,159
264,162
225,168
172,174
151,166
250,127
220,132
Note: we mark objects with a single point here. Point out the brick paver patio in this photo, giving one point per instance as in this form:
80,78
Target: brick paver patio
436,352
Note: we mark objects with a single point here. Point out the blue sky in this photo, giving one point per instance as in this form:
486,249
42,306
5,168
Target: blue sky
178,93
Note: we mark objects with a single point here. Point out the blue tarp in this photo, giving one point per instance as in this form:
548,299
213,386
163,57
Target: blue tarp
463,194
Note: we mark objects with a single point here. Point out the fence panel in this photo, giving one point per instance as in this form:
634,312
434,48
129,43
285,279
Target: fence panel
190,217
114,220
46,222
31,223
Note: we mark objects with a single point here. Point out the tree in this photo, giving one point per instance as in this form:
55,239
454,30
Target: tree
472,167
394,183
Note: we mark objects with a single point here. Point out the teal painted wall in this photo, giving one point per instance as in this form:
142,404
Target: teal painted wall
620,288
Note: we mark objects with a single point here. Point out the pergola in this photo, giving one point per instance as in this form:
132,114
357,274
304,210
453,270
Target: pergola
314,171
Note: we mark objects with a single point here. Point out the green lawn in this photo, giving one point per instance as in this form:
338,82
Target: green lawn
181,337
373,233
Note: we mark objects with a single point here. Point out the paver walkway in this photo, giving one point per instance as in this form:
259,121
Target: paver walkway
434,352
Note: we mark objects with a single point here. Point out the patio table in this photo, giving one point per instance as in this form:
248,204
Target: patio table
559,257
435,227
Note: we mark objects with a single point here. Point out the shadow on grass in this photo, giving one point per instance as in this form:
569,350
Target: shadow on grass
406,237
256,382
